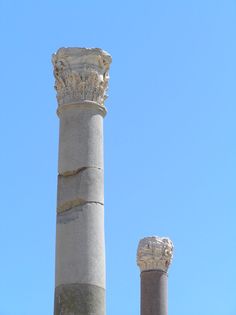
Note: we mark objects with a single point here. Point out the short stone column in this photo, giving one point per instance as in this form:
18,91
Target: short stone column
154,256
81,82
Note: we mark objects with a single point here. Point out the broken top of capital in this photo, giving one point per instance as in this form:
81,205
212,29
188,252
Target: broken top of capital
81,74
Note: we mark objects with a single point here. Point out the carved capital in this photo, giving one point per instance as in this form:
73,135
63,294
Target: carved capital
154,253
81,75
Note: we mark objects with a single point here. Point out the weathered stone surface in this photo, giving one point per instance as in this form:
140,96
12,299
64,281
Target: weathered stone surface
81,75
154,293
154,253
81,140
80,246
79,299
84,186
81,80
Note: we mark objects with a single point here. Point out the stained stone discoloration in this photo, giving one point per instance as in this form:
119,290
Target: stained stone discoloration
79,299
69,215
73,213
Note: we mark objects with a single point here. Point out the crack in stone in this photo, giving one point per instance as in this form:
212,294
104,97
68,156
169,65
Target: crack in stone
77,171
74,203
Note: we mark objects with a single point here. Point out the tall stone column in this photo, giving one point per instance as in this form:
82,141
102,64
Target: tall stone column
81,82
154,256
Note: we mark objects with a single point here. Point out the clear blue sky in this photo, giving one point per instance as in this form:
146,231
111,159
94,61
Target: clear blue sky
170,147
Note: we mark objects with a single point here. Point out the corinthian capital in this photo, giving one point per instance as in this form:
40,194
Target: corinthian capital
81,75
154,253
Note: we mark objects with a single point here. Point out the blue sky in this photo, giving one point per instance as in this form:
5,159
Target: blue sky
170,148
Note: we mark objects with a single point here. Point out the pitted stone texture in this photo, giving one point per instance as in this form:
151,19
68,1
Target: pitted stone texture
81,140
81,75
84,186
154,253
80,246
79,299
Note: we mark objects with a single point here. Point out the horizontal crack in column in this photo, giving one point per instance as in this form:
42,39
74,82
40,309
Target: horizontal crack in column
77,171
74,203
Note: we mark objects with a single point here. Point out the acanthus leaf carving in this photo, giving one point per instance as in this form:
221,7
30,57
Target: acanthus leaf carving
154,253
81,74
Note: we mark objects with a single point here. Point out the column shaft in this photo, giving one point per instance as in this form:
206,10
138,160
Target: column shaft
80,252
154,292
81,80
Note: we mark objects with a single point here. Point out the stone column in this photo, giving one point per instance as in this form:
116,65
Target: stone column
81,82
154,256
